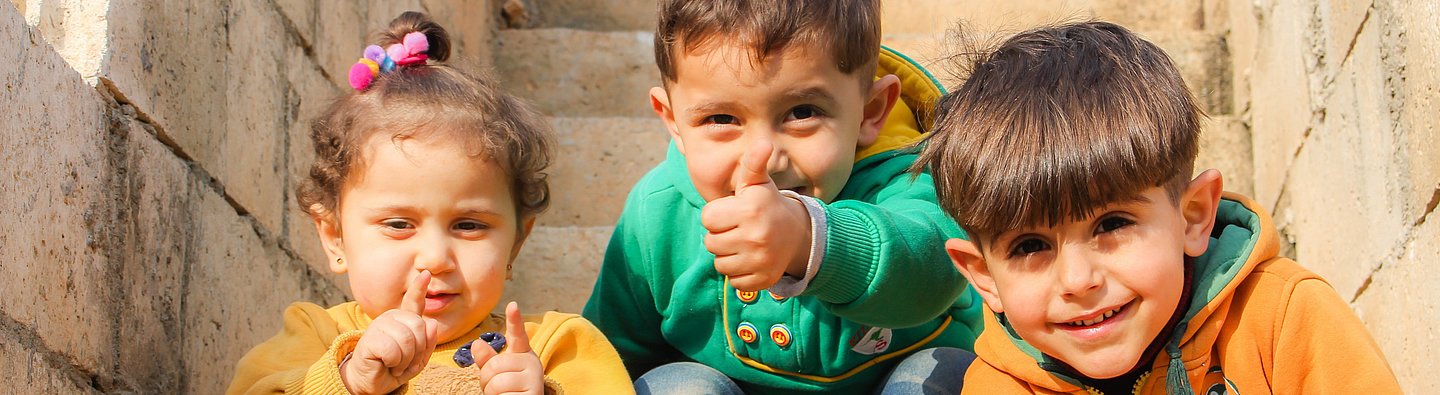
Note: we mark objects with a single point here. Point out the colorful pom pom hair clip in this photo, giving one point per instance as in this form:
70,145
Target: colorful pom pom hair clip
410,51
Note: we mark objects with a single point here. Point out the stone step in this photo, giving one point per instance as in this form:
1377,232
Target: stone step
597,161
557,268
578,73
591,14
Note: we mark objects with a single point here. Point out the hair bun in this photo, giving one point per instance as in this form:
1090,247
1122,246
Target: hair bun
401,29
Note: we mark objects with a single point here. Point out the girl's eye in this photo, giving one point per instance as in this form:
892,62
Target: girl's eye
1112,224
722,119
398,224
1028,246
803,112
470,226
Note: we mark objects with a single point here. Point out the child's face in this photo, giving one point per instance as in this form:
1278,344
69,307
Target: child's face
1094,292
428,207
813,116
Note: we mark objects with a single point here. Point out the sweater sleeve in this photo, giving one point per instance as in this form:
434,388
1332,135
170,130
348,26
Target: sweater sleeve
1322,347
885,262
578,359
303,358
622,304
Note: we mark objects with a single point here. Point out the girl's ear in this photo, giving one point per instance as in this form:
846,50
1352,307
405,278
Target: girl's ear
660,102
967,258
527,224
1198,205
878,103
329,230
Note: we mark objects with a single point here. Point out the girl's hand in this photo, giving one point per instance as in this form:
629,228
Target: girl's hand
515,370
395,348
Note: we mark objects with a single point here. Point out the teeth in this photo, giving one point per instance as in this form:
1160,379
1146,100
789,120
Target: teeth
1095,320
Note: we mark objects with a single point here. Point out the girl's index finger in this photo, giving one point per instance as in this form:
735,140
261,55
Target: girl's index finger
414,299
519,341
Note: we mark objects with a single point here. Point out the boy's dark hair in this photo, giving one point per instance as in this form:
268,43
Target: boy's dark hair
431,101
848,29
1057,122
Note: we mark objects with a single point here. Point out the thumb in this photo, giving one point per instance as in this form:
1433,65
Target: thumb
519,341
754,166
414,299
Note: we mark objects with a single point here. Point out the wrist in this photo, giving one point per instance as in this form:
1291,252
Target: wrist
799,262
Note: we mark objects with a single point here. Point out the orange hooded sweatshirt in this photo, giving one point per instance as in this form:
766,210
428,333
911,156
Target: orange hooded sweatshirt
1257,323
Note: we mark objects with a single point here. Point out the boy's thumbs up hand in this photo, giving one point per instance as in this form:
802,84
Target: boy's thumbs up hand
757,235
516,369
395,347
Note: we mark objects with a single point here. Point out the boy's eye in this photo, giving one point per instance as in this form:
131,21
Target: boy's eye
803,112
1027,247
1111,224
722,119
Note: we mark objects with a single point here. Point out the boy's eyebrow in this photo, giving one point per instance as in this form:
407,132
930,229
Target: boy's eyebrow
709,107
814,93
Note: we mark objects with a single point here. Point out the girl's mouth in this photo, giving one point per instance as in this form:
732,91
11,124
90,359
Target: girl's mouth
437,302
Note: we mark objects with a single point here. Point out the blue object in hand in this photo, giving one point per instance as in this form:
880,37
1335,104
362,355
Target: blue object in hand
464,358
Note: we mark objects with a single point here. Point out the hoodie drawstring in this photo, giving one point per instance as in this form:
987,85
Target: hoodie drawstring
1176,381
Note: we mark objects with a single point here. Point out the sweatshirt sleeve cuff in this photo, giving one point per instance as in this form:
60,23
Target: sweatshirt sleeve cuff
323,377
849,258
791,286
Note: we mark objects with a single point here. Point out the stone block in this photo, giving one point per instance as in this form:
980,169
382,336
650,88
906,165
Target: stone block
557,269
1341,24
591,14
597,162
1410,41
1241,42
575,73
1399,309
37,371
1346,211
472,26
1280,95
53,176
209,79
1225,146
1173,16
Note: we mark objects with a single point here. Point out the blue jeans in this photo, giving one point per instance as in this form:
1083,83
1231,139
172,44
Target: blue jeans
929,371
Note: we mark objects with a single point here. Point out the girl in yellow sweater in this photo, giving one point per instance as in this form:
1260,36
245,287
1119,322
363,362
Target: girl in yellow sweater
426,183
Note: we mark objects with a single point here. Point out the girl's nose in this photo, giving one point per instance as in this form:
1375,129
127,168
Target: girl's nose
434,253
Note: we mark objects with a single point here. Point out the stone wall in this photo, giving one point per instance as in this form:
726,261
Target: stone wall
151,150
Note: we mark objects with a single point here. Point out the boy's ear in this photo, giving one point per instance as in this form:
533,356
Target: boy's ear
971,264
878,103
660,102
329,230
1198,205
526,225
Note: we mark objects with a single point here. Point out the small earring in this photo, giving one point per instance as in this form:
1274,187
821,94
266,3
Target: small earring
339,261
509,273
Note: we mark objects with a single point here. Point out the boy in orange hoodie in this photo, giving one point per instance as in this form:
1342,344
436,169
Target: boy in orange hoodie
1106,268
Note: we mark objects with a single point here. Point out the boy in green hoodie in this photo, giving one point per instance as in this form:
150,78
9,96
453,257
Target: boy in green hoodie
1068,155
781,246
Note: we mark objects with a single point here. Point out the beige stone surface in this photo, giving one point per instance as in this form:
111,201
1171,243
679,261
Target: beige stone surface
75,28
1410,29
557,268
576,73
35,371
592,14
1225,146
1280,97
1401,312
599,160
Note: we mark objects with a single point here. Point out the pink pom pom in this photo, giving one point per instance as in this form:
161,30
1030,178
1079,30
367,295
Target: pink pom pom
416,43
361,76
396,52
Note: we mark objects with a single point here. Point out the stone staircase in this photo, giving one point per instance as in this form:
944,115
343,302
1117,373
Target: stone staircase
588,65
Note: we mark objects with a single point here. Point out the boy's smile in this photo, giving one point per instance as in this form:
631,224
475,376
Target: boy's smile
814,115
1095,292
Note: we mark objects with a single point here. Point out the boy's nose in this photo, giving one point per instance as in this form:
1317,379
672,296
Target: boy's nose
1078,274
